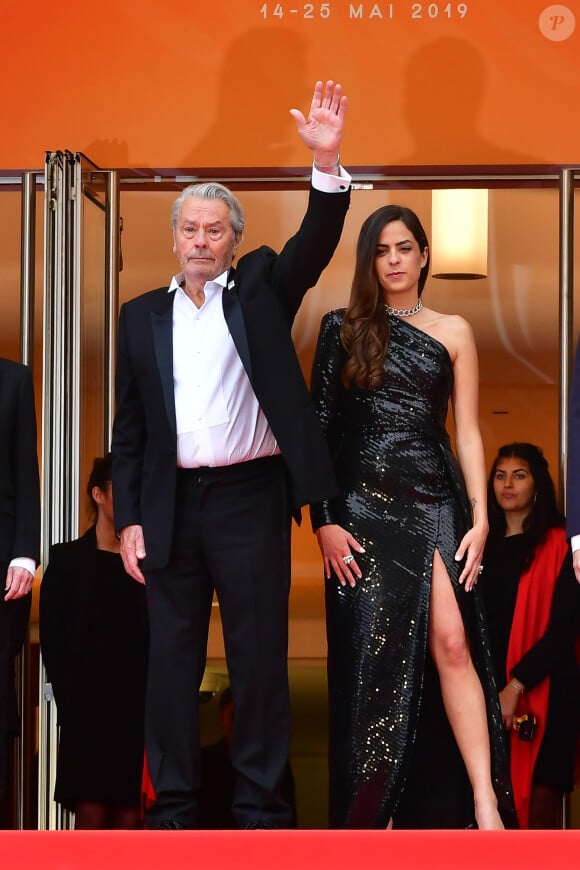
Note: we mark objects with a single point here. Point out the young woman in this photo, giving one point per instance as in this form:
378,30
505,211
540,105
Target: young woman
532,603
402,546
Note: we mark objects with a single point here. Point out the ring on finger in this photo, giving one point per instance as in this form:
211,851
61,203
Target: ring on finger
348,559
480,569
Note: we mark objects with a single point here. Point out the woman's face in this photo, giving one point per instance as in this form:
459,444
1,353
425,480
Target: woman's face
398,261
513,485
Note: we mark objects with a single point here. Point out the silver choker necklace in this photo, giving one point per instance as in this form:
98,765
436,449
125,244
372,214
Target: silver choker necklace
404,312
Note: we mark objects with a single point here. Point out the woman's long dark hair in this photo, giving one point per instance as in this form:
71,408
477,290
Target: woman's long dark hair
544,514
365,328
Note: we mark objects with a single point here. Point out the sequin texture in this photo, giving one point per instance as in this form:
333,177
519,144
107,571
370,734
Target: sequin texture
402,497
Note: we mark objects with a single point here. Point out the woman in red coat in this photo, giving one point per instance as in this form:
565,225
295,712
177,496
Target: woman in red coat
532,603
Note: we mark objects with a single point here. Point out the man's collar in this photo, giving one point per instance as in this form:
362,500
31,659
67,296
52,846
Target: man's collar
179,281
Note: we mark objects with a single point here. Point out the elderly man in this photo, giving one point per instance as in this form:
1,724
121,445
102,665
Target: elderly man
215,445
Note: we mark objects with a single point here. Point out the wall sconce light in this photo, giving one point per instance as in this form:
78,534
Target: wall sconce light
459,233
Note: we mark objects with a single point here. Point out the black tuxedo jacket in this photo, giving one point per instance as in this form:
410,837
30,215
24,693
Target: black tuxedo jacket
19,529
260,303
19,478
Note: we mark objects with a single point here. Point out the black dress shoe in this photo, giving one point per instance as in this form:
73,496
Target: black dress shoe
169,825
257,825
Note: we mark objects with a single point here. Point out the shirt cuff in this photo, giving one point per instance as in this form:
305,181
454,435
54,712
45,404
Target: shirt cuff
24,562
575,543
327,183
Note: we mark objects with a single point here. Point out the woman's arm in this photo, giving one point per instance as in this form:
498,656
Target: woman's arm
54,613
561,633
469,444
328,395
555,646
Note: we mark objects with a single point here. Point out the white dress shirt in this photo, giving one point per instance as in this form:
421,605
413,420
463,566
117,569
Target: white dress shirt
219,420
24,562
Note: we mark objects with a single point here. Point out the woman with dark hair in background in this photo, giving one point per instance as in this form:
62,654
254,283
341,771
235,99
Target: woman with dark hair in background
416,736
93,636
532,603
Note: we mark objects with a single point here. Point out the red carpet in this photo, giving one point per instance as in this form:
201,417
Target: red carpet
289,850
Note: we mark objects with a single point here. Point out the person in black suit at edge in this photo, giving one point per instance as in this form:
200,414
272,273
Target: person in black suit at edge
573,467
215,444
19,547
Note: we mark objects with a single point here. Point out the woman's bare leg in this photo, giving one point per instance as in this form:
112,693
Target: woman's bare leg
462,694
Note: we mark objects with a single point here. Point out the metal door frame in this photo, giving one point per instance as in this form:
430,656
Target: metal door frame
62,284
69,179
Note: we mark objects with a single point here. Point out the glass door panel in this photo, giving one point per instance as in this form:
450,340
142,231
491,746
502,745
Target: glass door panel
81,260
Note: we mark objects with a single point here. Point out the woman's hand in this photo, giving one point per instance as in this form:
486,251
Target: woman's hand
335,545
508,701
471,547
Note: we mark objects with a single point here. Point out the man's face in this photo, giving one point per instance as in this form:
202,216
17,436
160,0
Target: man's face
203,239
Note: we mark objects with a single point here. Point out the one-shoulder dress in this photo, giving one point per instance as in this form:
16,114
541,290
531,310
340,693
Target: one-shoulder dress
402,496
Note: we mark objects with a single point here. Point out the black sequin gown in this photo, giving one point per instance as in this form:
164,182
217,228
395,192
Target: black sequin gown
391,753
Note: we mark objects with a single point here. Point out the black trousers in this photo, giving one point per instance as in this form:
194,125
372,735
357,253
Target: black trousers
232,534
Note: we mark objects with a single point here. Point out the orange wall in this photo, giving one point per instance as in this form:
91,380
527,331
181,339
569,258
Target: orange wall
167,83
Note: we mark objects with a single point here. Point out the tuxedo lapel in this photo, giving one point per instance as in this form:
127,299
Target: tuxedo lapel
234,317
162,326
